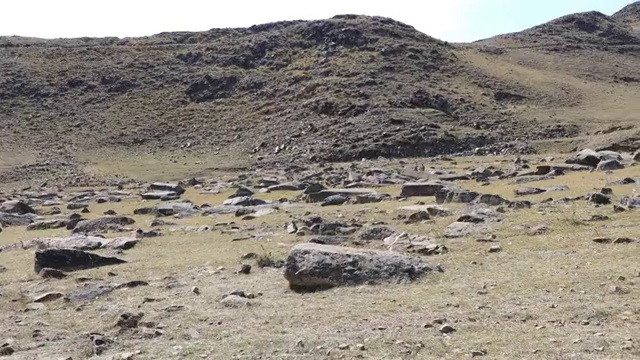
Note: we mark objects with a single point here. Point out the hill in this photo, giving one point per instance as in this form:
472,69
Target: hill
340,89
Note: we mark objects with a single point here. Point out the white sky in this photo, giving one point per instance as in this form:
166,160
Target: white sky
122,18
451,20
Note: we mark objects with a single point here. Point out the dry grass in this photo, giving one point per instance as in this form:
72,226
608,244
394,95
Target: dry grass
542,297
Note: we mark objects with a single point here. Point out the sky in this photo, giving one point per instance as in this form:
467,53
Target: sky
450,20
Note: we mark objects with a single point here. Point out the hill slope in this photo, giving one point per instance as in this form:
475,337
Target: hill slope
338,89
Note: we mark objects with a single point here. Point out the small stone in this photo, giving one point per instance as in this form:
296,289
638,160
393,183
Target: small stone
49,273
478,353
360,347
195,290
245,269
343,346
447,329
619,209
6,350
495,249
50,296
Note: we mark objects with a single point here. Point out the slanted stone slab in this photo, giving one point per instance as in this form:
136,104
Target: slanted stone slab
71,260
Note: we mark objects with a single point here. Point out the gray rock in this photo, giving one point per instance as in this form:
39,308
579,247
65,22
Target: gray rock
76,206
183,208
243,201
284,187
48,273
313,188
241,192
630,201
329,240
334,200
636,156
461,229
377,233
423,189
585,157
417,217
599,199
491,199
610,155
160,195
607,165
47,297
71,260
455,195
175,188
529,191
102,224
16,207
235,301
90,292
371,198
47,225
15,220
313,266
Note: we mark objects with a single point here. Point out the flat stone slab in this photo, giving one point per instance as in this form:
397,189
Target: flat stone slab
323,194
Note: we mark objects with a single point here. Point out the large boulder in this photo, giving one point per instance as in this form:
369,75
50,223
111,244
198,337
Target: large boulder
16,207
103,223
586,157
314,266
71,260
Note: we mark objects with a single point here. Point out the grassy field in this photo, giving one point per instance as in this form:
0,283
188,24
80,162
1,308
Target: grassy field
553,296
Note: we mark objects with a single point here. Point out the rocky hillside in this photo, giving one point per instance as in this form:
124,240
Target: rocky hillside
338,89
630,16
